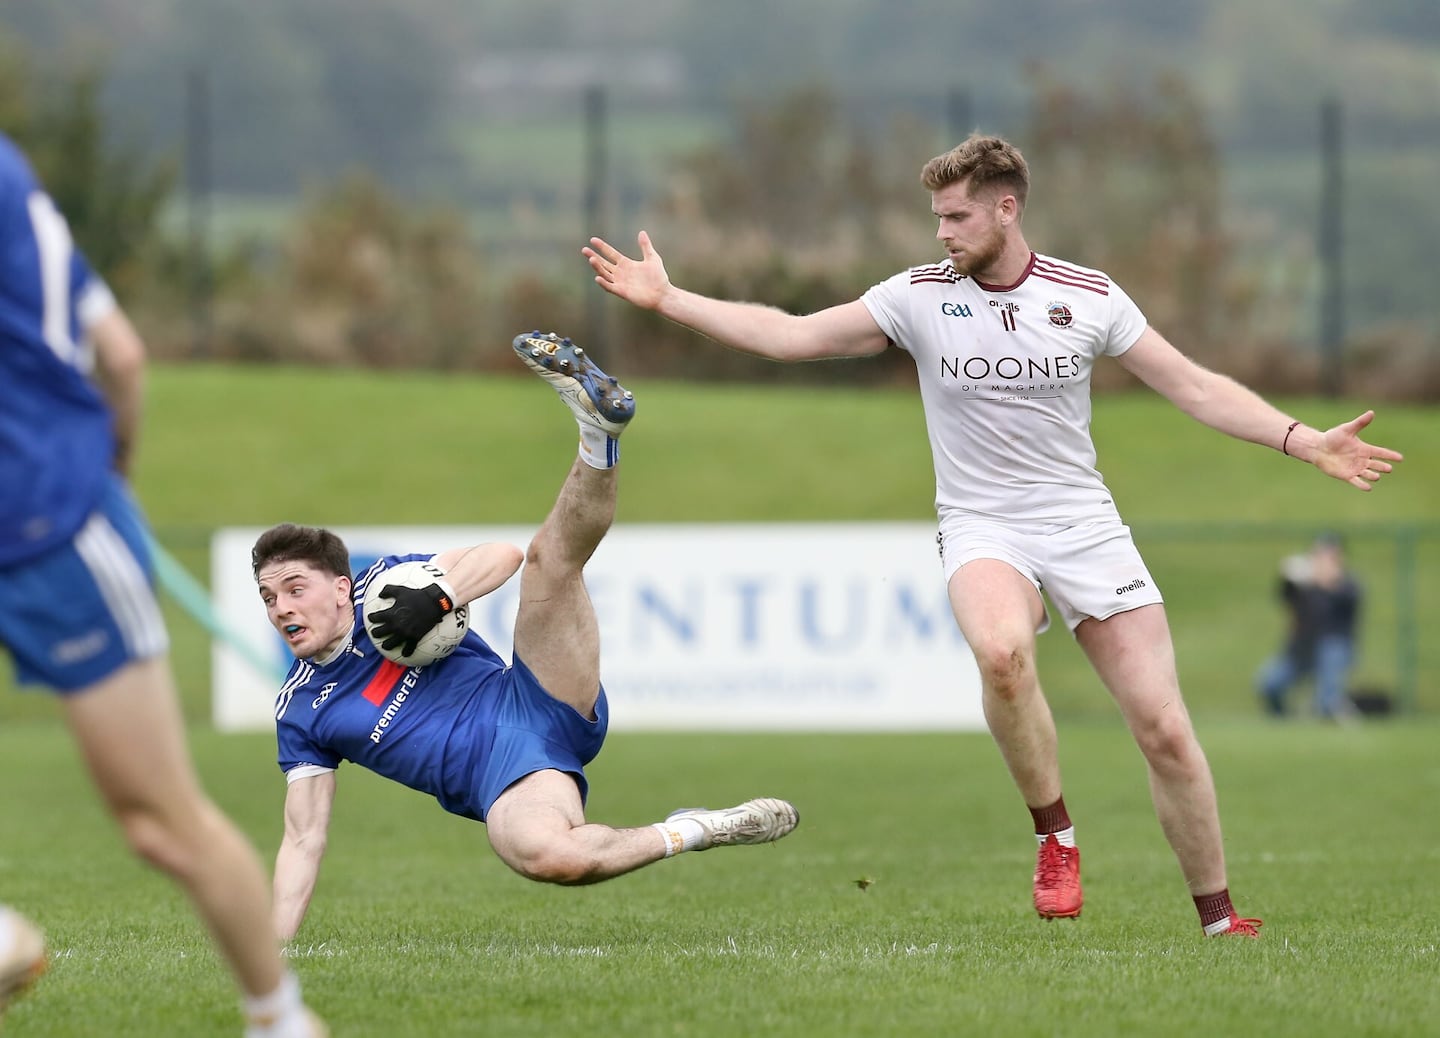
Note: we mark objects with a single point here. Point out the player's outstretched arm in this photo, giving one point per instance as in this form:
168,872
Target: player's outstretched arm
297,865
840,331
1224,404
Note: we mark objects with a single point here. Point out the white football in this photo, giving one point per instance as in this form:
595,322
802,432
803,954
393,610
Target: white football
441,639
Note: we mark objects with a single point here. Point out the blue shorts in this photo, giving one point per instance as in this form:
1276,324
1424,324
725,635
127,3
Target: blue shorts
78,613
534,731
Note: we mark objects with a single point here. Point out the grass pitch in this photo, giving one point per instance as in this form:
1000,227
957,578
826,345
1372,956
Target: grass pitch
899,906
418,930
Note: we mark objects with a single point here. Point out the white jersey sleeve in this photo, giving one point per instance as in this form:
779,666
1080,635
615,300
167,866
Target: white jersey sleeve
1004,375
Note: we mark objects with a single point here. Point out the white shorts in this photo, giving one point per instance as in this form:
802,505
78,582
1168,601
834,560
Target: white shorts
1092,570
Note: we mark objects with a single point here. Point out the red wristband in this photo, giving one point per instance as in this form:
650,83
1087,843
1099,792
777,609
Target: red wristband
1286,442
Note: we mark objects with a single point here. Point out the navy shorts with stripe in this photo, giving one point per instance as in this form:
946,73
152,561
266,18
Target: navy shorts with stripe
534,731
78,613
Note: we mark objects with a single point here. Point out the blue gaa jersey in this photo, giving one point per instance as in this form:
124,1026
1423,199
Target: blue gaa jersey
56,440
428,728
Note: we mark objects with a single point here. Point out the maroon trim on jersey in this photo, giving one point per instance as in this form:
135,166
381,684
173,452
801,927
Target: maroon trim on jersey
1070,277
1018,281
938,273
383,683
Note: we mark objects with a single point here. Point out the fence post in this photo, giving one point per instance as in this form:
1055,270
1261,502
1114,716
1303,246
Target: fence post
1330,247
197,207
596,172
1406,632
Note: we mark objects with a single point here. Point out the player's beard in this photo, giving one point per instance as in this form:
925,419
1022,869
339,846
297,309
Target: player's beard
982,256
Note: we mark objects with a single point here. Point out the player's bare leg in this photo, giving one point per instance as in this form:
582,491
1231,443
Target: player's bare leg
998,611
1133,654
131,735
556,632
538,828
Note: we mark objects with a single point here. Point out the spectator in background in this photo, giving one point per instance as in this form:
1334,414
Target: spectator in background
77,603
1323,600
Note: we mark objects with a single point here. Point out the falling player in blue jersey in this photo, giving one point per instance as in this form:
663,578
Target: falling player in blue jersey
503,744
77,608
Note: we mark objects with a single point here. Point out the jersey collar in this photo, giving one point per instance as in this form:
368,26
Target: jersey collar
1018,281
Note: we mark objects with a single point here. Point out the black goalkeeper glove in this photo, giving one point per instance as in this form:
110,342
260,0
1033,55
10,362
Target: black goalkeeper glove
415,612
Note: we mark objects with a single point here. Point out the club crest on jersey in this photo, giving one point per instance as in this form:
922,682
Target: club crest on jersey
1059,314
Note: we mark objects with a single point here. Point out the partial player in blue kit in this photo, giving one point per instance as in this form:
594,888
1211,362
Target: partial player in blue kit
77,607
502,743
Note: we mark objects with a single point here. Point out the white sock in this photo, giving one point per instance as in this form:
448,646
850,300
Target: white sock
598,449
1065,837
682,834
279,1014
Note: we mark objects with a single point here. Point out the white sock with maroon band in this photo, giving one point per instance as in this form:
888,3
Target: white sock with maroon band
1065,837
681,834
598,449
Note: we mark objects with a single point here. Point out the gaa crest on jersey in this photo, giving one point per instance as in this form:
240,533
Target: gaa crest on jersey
1059,314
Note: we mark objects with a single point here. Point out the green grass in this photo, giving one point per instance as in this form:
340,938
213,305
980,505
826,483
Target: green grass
417,929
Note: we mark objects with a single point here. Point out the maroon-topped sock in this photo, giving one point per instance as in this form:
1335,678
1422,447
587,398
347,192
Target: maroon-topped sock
1214,908
1052,819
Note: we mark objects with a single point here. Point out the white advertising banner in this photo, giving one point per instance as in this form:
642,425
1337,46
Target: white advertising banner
717,627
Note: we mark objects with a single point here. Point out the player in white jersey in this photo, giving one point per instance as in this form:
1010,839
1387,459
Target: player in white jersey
1004,341
503,744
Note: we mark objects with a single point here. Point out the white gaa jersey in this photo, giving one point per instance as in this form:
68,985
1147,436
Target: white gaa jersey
1005,381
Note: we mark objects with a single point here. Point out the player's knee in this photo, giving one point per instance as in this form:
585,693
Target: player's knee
1168,742
1005,670
556,862
158,844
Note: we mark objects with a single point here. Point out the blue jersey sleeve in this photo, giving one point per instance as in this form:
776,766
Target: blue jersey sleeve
297,748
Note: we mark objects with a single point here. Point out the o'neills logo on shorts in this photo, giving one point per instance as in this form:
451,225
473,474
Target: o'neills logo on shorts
1134,585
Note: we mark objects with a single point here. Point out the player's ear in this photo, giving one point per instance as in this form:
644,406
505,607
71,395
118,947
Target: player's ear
342,590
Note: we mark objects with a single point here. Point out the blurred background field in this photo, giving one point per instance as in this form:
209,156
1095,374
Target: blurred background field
258,445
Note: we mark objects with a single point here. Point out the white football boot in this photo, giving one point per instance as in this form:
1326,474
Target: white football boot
764,820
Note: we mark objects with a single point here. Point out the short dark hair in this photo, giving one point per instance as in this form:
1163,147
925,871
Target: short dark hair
985,162
288,542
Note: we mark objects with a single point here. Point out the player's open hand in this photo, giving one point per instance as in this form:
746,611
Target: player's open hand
642,282
1345,456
